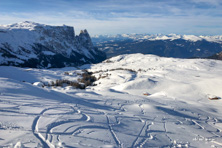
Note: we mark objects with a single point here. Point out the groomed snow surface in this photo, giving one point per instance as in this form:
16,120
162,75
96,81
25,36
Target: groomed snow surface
139,101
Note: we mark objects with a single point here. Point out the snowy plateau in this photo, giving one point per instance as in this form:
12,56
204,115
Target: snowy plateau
137,101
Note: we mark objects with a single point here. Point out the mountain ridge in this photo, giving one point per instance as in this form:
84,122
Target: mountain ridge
194,38
29,44
178,46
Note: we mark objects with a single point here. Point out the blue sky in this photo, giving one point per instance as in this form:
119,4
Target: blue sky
199,17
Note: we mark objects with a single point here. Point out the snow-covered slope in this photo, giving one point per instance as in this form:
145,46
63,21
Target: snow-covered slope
37,45
139,101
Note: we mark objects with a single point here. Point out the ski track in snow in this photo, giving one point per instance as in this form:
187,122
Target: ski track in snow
135,141
148,136
118,143
139,141
35,130
47,141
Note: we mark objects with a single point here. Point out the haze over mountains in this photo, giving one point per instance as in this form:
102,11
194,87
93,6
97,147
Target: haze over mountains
172,45
30,44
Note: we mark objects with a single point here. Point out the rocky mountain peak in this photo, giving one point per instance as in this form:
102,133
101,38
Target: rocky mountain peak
84,31
85,39
37,45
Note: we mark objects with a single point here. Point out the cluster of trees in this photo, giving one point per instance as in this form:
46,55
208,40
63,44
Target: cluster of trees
87,79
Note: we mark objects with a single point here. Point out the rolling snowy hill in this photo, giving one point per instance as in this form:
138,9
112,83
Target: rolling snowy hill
138,101
30,44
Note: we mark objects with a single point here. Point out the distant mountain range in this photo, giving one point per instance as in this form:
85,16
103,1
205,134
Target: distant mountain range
29,44
172,45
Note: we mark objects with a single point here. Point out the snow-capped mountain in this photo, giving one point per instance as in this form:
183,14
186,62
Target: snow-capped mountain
136,37
172,45
31,44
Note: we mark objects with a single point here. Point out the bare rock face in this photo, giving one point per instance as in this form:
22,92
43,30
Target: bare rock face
30,44
85,39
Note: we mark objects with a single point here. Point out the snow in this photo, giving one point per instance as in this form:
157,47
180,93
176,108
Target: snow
39,84
21,25
48,53
115,112
192,38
